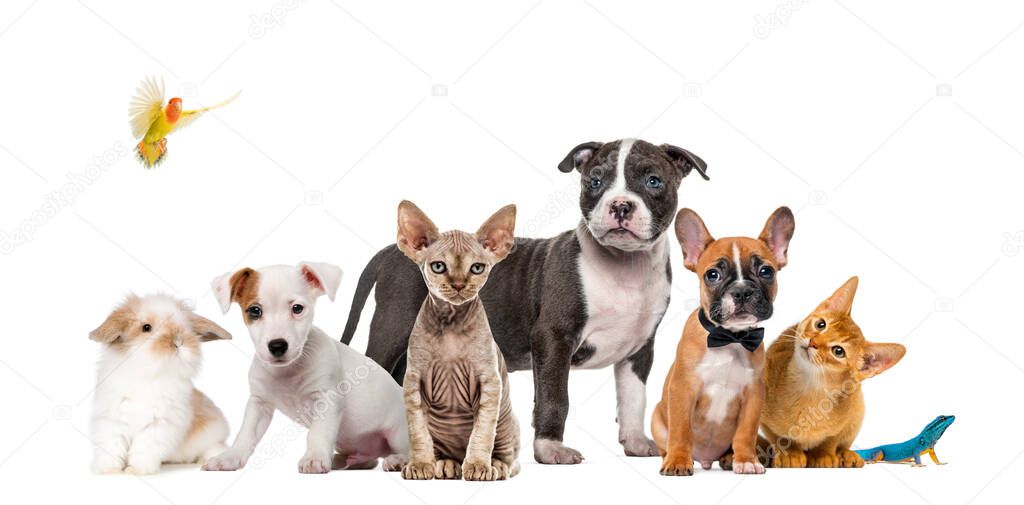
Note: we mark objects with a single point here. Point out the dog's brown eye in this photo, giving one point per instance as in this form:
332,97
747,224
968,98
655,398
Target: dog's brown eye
147,327
297,309
477,268
820,324
839,351
254,312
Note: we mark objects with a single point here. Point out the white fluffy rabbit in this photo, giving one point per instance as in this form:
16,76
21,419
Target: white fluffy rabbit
145,410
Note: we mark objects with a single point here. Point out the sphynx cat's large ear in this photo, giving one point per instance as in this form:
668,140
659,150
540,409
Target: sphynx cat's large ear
498,233
415,230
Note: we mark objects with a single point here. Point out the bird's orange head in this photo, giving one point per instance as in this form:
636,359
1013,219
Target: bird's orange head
173,109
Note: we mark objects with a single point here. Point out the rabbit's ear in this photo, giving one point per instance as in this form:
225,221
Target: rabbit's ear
207,330
114,327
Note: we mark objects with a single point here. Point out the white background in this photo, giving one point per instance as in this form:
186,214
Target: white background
891,129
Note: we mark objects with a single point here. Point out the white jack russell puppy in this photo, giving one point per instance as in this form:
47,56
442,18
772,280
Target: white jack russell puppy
352,407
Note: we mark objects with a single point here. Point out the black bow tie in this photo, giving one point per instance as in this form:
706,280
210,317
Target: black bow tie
719,336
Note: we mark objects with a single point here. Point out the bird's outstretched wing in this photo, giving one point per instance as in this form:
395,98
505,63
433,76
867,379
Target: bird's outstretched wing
188,116
146,105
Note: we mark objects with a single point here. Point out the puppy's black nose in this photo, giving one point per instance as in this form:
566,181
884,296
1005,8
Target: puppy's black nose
277,347
622,209
742,295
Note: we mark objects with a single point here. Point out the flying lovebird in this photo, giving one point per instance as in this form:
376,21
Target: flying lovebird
152,121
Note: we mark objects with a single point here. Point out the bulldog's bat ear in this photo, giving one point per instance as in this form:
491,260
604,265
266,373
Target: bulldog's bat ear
685,161
777,233
693,237
578,156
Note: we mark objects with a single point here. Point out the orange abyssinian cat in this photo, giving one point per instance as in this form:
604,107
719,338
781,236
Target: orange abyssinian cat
814,405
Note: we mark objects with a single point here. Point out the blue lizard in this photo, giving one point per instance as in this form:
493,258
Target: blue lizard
911,449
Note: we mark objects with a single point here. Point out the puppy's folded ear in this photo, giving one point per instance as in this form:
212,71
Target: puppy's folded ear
578,156
777,233
415,230
206,329
498,233
227,287
115,325
685,160
322,278
693,237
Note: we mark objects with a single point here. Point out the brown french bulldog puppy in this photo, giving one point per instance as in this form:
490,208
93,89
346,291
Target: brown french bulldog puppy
711,401
456,385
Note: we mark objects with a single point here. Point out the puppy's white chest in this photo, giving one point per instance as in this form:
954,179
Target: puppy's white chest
725,372
625,301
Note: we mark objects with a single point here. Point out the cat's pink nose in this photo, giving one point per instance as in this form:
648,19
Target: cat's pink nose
457,286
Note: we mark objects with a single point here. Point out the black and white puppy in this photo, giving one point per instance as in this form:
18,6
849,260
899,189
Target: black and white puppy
587,298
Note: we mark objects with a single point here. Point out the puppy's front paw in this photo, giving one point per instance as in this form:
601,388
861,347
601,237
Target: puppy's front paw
748,467
725,462
418,470
479,471
850,459
677,466
553,452
142,466
315,463
827,460
104,464
447,469
394,462
639,445
226,461
792,459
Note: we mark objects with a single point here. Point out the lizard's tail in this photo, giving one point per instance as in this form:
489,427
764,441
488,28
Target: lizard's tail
870,455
